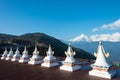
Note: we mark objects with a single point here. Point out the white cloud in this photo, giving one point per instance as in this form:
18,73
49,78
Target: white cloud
114,37
95,29
102,37
112,26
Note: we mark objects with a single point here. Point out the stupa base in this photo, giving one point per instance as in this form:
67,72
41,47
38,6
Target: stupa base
70,68
15,59
103,74
34,62
3,58
45,64
23,61
8,58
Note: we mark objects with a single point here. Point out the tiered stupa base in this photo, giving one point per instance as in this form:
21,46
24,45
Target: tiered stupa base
9,58
35,61
103,74
49,63
70,67
24,60
15,59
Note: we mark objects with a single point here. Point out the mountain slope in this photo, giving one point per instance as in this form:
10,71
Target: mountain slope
6,36
42,41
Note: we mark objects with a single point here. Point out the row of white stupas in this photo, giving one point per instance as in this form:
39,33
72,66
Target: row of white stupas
101,67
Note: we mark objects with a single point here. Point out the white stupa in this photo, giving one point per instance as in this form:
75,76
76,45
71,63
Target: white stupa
70,63
16,56
25,56
49,60
101,67
35,59
5,53
10,54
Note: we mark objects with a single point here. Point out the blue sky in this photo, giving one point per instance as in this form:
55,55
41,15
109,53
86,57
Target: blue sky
63,19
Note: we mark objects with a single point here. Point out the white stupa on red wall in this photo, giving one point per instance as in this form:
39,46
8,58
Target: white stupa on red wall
5,53
35,59
101,67
25,56
16,56
70,63
10,55
49,60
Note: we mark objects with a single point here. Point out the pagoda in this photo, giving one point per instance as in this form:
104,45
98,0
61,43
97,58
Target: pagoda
5,53
101,67
25,56
49,60
35,59
16,56
10,54
70,63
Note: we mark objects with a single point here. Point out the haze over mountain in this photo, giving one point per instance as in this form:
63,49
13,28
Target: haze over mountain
42,41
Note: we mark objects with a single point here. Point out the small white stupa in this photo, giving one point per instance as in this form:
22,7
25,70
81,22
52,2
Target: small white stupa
10,54
70,63
101,67
25,56
4,55
49,60
35,59
16,56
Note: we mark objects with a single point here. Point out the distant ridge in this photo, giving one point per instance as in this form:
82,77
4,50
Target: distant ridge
6,36
42,41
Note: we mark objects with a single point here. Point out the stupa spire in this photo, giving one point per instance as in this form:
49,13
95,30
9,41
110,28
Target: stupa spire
101,56
25,50
17,51
35,50
5,53
50,52
70,54
11,49
6,49
70,51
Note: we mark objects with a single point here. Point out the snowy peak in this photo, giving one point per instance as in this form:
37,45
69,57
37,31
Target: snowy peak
81,37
